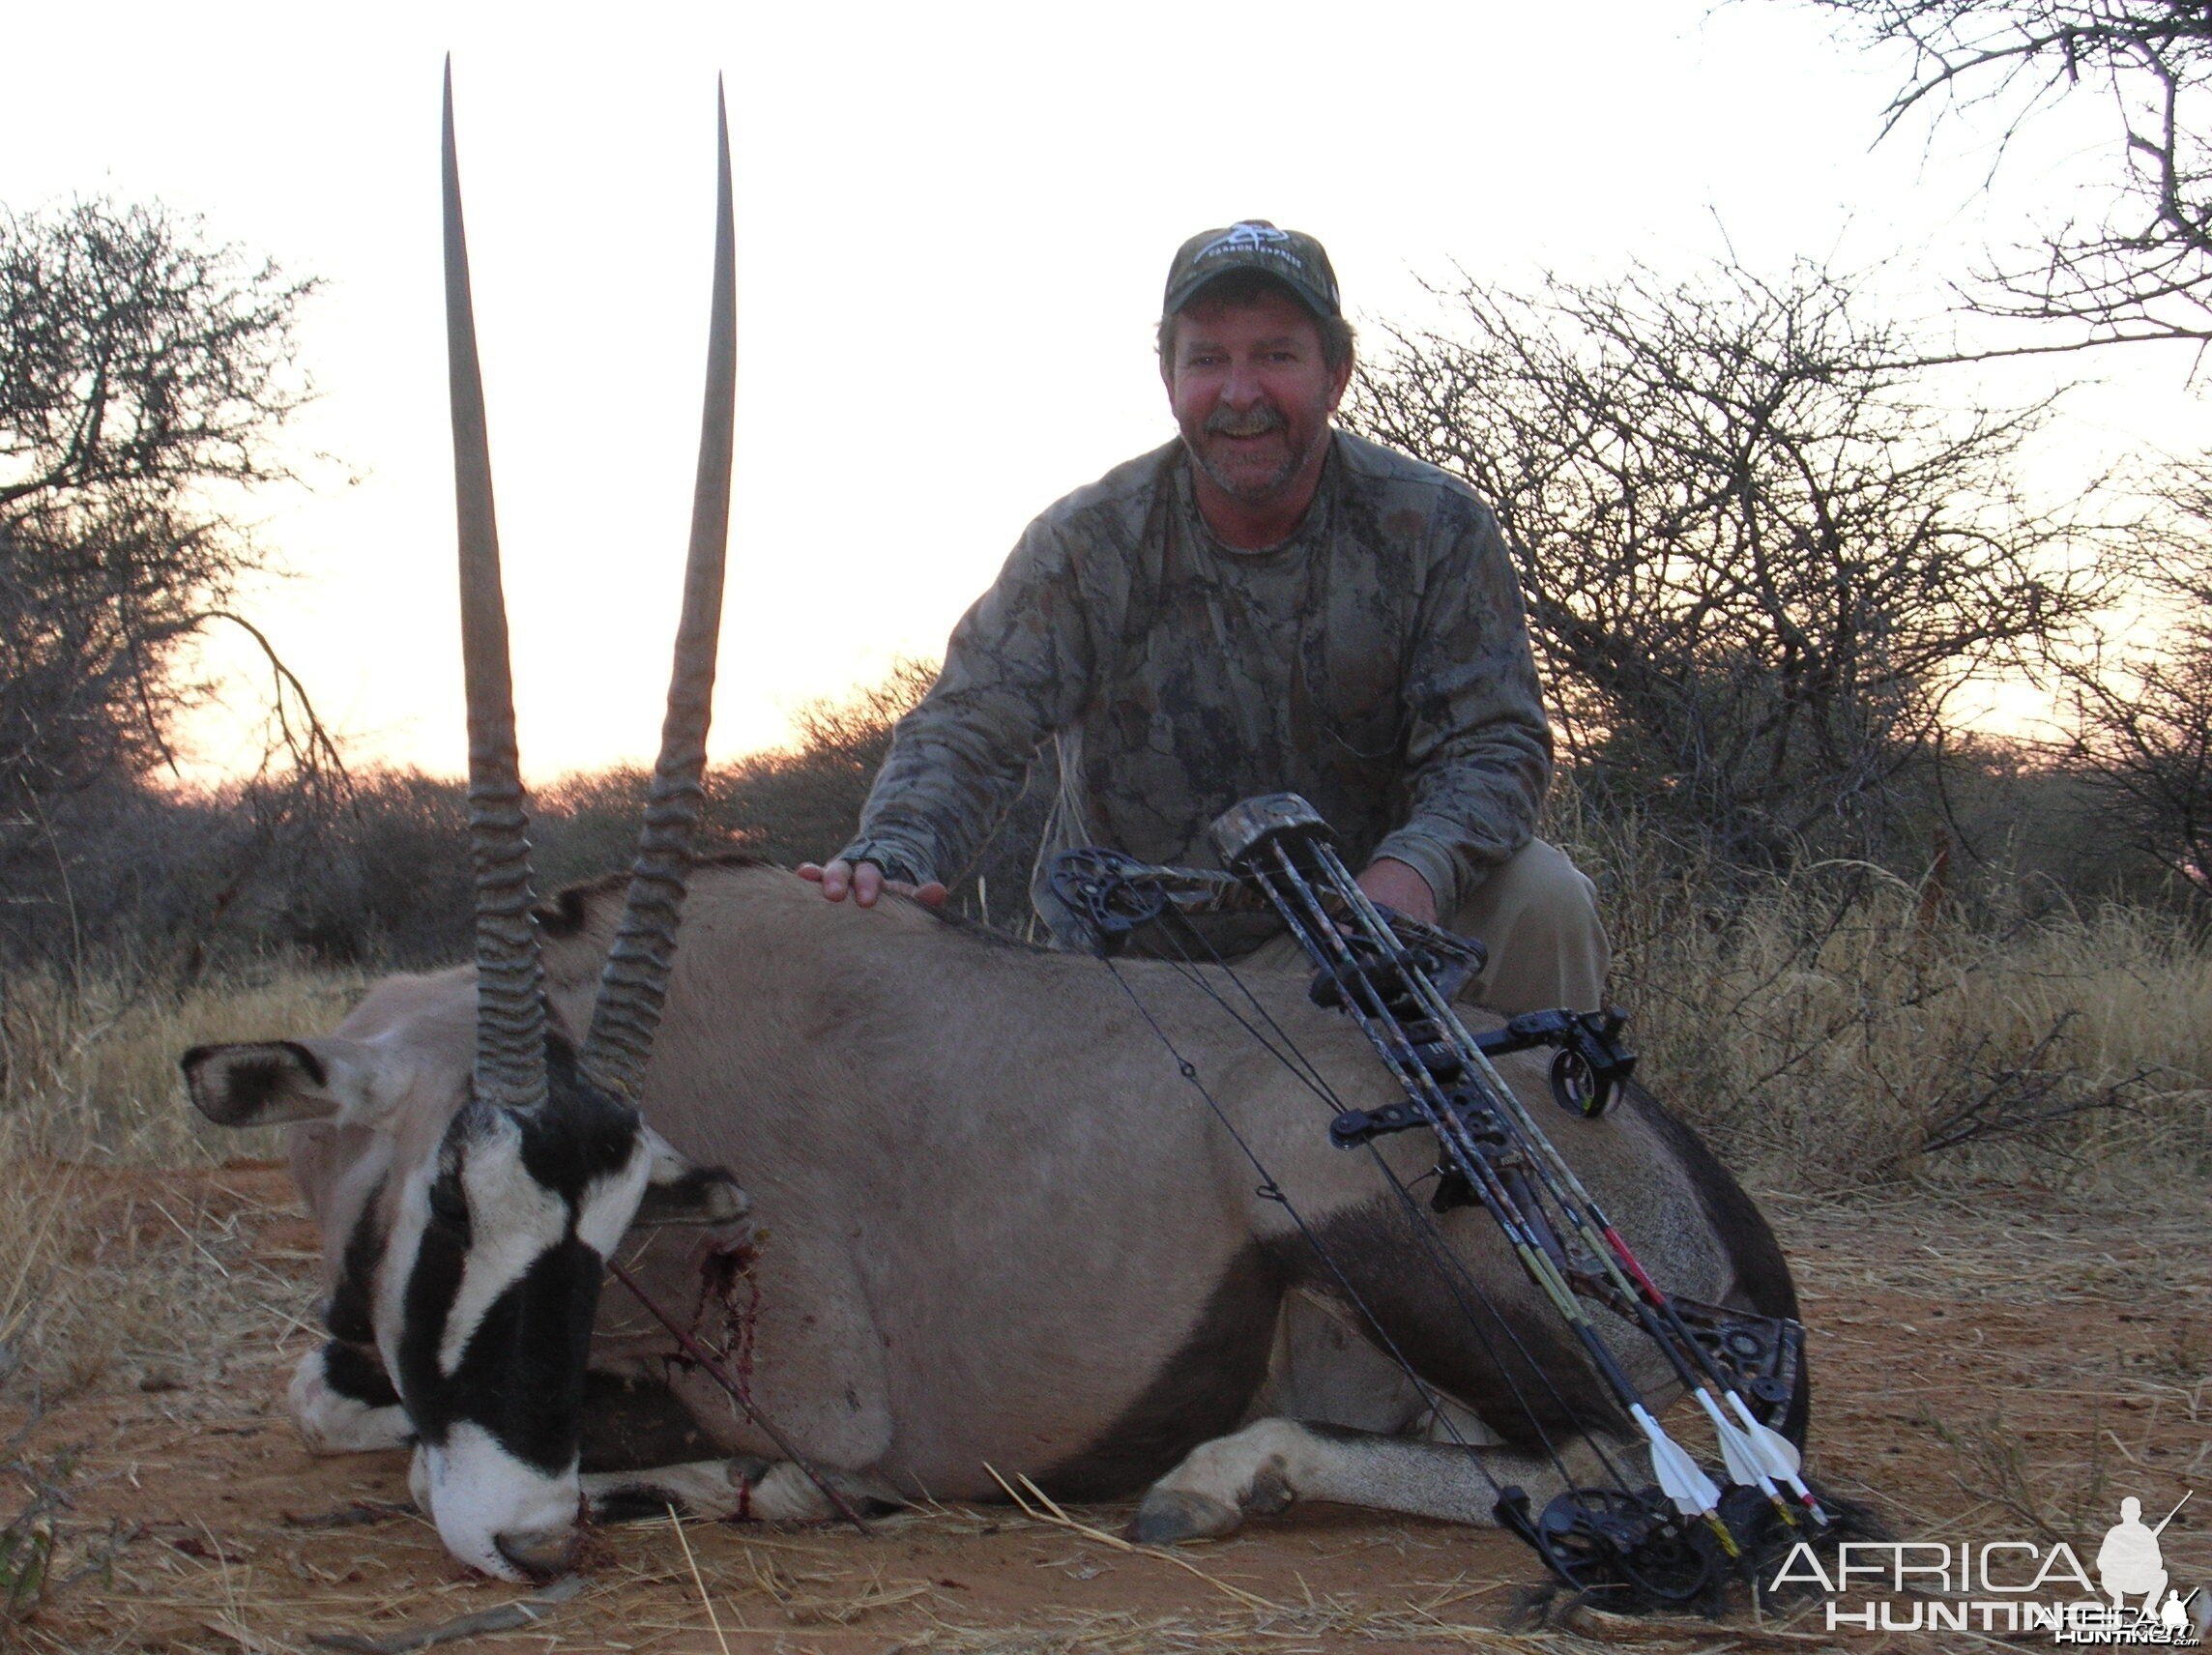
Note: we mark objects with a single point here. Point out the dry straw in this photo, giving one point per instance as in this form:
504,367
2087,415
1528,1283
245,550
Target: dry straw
88,1067
1820,1029
1843,1028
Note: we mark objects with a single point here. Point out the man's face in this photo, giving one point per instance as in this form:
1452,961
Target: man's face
1252,394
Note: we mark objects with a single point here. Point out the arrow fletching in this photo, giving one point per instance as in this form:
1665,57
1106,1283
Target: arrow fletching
1680,1480
1737,1453
1780,1457
1776,1452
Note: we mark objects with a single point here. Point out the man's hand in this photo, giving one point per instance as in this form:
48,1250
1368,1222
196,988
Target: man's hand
866,882
1396,885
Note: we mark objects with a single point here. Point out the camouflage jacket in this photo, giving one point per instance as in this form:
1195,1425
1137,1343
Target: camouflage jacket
1376,663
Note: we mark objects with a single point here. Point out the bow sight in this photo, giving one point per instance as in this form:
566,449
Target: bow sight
1397,979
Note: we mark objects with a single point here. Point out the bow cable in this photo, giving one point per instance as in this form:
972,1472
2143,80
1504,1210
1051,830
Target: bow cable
1692,1492
1270,1190
1423,1224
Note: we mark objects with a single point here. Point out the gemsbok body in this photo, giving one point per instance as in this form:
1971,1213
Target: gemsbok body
989,1225
939,1203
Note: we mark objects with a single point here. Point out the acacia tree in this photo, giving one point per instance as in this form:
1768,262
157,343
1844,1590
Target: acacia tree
144,373
2142,268
2141,735
2142,732
1759,562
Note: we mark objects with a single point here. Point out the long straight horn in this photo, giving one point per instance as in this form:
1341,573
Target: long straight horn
510,988
635,979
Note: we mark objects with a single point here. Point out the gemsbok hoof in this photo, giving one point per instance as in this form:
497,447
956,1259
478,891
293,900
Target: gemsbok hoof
1170,1515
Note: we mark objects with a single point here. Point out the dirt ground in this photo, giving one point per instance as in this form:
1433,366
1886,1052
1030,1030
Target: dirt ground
2008,1364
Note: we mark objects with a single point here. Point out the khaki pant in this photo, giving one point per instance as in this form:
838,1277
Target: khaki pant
1537,915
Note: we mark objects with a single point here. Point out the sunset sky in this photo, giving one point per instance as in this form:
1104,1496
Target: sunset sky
953,226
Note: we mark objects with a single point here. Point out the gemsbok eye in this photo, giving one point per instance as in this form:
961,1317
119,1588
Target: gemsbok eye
448,1205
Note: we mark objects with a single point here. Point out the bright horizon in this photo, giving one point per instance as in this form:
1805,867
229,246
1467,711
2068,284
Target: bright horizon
951,233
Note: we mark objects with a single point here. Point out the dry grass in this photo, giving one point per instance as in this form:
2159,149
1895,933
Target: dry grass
88,1069
90,1080
1846,1028
38,1225
1831,1030
124,1284
711,1588
1824,1029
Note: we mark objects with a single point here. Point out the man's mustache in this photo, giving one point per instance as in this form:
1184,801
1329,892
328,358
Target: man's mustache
1252,422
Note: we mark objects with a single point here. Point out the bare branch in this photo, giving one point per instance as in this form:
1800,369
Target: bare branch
2143,270
1758,560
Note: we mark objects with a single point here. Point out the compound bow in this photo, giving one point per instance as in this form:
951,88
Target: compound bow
1396,978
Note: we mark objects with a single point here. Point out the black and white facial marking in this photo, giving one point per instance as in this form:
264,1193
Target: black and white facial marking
469,1271
484,1311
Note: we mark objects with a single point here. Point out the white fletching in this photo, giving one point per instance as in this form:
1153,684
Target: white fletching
1737,1453
1780,1457
1776,1452
1680,1480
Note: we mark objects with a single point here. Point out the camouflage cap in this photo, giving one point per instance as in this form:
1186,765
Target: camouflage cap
1295,260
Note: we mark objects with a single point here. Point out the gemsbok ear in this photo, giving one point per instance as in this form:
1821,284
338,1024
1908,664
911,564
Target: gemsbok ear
269,1083
679,1192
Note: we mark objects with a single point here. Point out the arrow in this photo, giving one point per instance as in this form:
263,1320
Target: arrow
1776,1451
